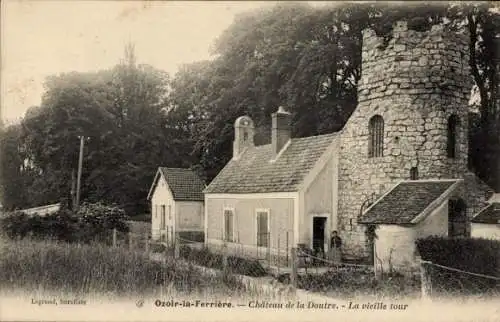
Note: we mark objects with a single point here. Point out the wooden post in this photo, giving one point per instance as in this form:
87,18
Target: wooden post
268,251
114,237
293,276
79,178
287,249
167,240
176,247
426,286
129,240
225,266
278,257
147,243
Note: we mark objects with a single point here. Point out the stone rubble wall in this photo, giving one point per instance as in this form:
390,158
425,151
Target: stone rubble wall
415,83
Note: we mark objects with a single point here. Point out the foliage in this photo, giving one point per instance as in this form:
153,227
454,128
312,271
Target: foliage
92,222
14,174
309,59
122,113
349,282
303,57
98,270
236,265
475,255
145,217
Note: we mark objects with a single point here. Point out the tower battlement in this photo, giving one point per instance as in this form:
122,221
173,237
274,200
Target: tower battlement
415,63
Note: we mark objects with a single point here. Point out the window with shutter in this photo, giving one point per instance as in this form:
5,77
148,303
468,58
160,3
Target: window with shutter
228,225
263,228
162,217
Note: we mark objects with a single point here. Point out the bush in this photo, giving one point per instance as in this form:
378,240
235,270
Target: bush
142,217
476,255
91,223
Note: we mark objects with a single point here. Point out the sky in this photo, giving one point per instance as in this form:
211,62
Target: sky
42,38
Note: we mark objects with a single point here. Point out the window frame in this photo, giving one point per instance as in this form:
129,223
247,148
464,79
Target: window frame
452,136
163,218
414,173
376,133
233,235
268,240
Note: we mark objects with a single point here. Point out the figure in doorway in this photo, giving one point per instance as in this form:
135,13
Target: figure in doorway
335,247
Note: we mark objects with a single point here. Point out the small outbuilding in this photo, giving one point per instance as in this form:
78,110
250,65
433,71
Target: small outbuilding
177,205
412,209
486,224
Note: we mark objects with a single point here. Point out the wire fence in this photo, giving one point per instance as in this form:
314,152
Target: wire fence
303,268
130,240
439,281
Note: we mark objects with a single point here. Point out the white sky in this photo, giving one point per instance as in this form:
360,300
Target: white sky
42,38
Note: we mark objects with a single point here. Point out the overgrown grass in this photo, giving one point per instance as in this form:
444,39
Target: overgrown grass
236,265
360,283
83,270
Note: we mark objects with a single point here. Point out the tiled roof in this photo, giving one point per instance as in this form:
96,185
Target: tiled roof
253,171
489,215
185,184
405,202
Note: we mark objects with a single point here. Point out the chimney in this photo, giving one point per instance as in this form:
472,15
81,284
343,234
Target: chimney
281,129
244,133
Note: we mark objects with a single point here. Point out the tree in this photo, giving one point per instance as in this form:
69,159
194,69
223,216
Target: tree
123,112
15,172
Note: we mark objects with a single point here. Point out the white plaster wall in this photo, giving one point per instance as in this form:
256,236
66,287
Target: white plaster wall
436,224
394,247
401,239
189,215
161,196
490,231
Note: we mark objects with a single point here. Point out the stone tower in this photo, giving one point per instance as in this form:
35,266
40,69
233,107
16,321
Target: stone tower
244,132
410,122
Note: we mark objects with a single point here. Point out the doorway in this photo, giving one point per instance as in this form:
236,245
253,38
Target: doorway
457,218
318,240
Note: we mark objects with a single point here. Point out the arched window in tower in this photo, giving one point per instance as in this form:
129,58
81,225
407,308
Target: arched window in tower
452,136
245,136
376,137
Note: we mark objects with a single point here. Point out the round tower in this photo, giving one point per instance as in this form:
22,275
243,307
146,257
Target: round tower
419,84
411,118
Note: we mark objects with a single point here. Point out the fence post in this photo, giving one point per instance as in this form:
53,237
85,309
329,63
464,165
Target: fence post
225,266
426,286
147,242
176,247
114,237
278,258
287,249
269,251
293,276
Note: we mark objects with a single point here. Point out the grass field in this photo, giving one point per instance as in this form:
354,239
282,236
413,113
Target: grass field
83,270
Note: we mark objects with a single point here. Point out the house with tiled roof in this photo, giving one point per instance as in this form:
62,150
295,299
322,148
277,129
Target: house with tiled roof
395,172
176,197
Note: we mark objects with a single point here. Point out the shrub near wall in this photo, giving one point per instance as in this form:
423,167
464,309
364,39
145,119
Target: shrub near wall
476,255
480,256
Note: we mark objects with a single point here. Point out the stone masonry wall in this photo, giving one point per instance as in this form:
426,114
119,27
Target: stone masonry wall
415,83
